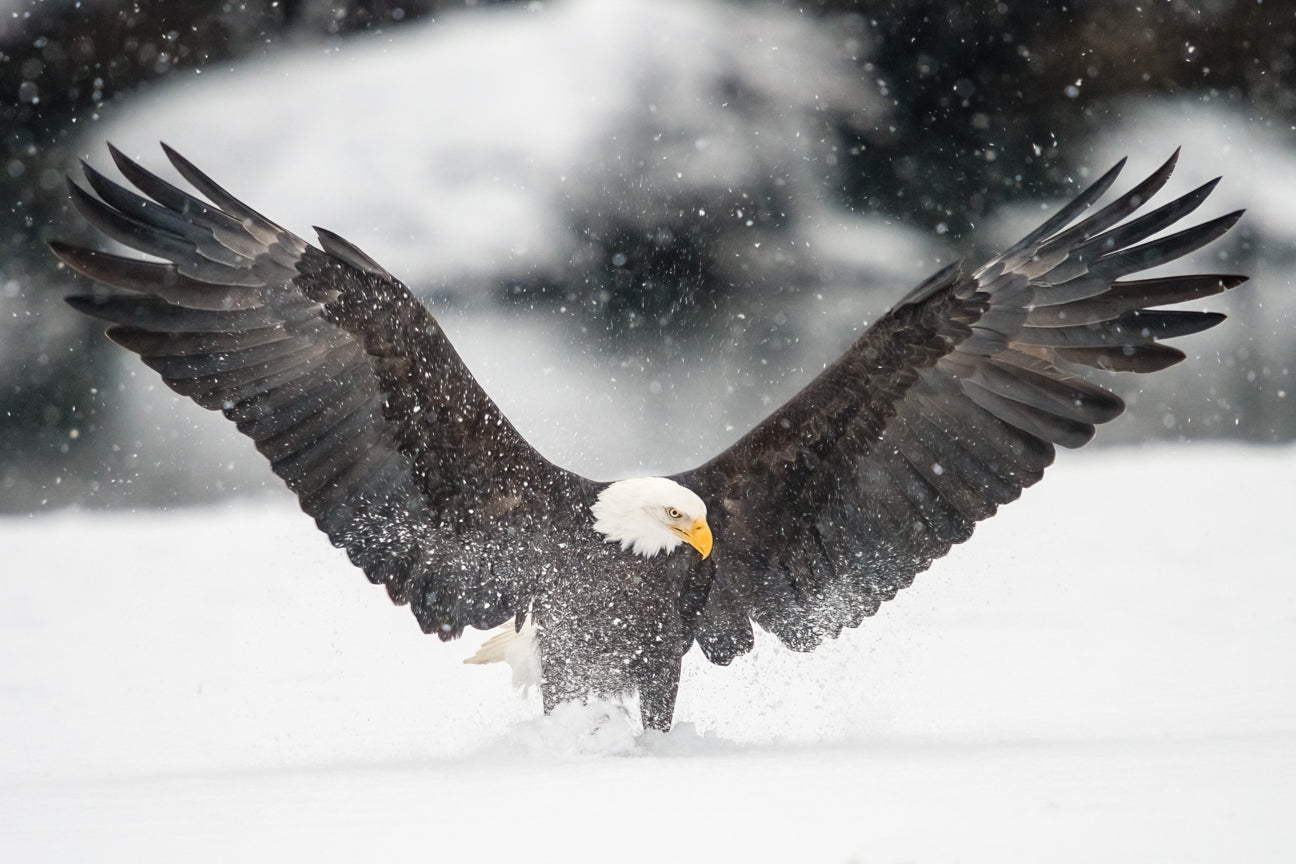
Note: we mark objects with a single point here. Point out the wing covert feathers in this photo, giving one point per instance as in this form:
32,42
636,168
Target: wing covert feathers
943,410
341,377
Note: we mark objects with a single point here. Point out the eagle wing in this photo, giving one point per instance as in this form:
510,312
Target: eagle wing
343,379
944,409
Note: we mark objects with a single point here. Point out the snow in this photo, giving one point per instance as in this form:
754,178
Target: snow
465,147
1252,152
1103,671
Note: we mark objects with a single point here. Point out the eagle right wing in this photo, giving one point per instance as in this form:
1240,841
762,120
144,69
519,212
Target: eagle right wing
944,409
343,379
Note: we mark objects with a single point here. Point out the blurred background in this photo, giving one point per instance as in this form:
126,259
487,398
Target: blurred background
644,223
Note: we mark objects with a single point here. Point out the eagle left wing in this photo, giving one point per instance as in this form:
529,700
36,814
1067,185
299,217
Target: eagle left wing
342,378
944,409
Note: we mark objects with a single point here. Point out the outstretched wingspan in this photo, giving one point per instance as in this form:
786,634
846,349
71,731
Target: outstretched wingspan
342,378
943,410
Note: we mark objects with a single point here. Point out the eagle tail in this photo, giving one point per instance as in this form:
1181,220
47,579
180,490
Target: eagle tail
515,646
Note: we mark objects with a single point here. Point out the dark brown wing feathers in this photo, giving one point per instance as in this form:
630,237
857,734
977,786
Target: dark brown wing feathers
942,411
342,378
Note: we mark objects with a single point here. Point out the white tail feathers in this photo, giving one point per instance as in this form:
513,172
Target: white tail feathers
517,648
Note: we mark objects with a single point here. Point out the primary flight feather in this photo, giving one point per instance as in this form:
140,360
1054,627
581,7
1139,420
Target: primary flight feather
944,409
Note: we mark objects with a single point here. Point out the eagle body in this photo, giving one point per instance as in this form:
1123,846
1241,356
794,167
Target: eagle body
616,625
940,412
618,616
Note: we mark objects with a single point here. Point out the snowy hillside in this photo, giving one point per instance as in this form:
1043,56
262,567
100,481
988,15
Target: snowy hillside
472,154
1103,673
532,121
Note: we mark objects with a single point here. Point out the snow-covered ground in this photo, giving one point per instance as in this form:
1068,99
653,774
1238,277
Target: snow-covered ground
1105,672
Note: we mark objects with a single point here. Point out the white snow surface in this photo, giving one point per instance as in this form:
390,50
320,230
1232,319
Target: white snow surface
1103,673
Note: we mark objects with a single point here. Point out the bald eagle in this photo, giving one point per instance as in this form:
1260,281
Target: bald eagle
942,410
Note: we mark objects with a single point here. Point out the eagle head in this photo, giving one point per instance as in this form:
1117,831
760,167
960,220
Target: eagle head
648,515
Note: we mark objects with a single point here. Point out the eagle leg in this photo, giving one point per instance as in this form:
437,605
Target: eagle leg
658,688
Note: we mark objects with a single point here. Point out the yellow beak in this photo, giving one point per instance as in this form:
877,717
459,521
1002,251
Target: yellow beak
699,536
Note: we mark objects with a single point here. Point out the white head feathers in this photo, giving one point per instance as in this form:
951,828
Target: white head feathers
649,515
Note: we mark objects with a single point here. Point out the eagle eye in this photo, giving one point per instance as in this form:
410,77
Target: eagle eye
673,513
